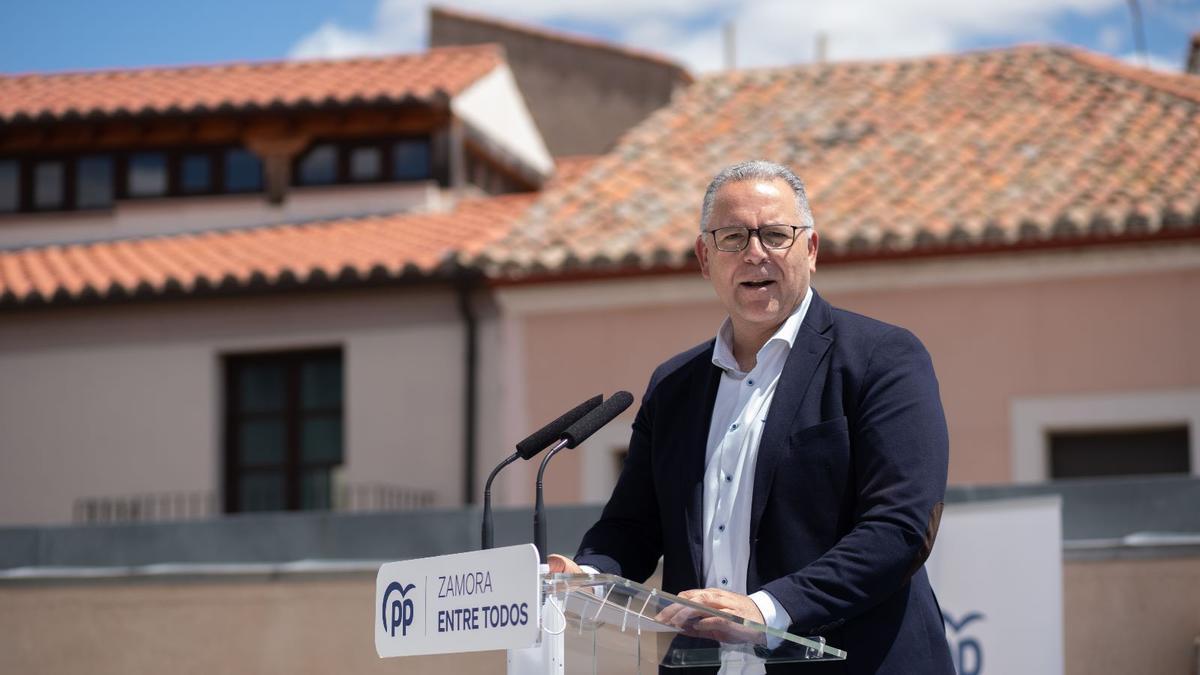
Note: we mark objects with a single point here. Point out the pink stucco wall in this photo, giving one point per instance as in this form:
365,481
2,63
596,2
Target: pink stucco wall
991,342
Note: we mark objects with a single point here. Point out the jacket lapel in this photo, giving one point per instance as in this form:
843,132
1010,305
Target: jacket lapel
706,379
811,344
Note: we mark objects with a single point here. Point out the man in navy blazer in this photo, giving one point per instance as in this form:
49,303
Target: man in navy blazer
841,483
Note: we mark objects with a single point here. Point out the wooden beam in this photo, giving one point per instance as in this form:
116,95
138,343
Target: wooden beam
367,122
217,130
118,134
23,140
276,151
168,132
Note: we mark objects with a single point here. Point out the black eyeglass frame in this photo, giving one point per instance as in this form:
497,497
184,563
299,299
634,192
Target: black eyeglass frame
755,232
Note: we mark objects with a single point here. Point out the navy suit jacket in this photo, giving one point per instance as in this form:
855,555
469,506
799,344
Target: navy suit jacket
848,491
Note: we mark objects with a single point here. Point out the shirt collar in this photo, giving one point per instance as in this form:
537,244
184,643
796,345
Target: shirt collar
786,335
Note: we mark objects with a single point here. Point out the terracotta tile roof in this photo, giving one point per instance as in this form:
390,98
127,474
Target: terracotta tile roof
981,150
570,168
429,76
381,248
561,36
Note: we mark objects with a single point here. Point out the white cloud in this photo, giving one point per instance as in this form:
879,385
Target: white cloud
1153,62
783,31
402,25
769,32
1110,38
399,26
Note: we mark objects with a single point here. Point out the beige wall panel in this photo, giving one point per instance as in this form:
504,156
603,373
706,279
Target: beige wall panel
202,627
1132,616
1121,616
123,400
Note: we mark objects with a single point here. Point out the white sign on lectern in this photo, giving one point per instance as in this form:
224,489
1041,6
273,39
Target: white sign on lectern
465,602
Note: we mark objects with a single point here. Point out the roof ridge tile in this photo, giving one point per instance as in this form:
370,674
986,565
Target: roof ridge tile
425,76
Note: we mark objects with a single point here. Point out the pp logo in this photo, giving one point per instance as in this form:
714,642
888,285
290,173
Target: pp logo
401,609
966,650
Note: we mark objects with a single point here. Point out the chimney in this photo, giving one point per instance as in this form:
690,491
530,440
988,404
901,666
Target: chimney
1193,60
730,45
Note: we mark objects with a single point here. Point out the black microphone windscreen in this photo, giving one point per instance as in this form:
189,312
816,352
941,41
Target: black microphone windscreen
591,423
538,440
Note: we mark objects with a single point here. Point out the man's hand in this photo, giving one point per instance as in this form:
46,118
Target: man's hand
726,601
561,564
692,623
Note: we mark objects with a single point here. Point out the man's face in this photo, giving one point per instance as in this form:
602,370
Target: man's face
758,286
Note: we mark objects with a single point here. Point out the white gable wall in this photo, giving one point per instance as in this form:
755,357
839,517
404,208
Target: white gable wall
493,106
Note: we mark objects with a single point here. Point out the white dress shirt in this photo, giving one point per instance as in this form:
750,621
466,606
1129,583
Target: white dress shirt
739,414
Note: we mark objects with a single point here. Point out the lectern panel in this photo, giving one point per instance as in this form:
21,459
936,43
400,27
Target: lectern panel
613,625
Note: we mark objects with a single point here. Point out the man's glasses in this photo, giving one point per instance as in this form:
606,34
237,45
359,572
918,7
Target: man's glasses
734,239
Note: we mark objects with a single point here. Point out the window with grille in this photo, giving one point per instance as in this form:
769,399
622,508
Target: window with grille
1119,452
283,430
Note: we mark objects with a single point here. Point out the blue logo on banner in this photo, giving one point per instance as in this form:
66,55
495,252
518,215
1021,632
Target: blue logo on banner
966,650
402,609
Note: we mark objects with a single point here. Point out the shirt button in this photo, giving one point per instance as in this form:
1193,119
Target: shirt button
728,478
750,383
724,581
721,528
733,427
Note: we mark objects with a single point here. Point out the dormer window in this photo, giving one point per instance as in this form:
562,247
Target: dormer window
366,164
98,180
195,174
342,162
410,159
319,166
94,182
147,176
243,171
48,185
10,181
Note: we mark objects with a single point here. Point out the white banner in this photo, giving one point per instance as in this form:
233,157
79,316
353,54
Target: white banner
465,602
997,572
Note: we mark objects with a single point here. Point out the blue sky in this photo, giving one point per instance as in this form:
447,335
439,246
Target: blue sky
57,35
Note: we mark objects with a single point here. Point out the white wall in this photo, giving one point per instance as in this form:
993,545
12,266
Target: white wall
172,215
120,400
493,105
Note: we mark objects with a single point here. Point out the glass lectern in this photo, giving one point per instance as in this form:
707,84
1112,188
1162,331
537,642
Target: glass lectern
600,623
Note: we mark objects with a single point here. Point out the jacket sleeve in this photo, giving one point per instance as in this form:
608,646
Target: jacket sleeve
900,450
627,540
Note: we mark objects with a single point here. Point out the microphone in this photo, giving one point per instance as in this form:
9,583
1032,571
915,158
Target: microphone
572,437
532,445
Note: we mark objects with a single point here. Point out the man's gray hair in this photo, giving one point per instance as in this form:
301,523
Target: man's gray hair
762,170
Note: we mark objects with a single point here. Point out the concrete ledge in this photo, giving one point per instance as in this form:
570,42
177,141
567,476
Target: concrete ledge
1102,519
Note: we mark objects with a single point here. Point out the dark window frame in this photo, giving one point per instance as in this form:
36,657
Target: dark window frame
293,465
345,147
223,155
112,181
127,177
26,163
389,159
348,158
340,153
176,171
17,174
67,188
1118,451
216,154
